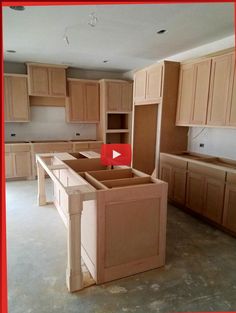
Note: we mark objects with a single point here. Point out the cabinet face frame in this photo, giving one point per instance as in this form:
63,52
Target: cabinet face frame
231,112
154,83
140,82
229,215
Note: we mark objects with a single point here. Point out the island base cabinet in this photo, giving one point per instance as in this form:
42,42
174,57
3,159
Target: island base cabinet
229,218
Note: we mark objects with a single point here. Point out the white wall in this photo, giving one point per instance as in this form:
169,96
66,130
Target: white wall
217,141
48,123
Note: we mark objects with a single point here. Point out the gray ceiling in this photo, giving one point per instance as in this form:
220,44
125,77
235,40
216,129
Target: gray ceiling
126,35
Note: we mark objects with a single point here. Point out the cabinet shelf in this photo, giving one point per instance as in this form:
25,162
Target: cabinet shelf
117,137
112,131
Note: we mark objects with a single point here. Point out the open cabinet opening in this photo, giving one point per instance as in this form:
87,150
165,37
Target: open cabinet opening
145,134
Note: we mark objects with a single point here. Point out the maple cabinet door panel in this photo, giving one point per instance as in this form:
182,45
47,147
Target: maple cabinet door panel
185,97
9,165
76,102
195,189
213,199
229,218
19,99
165,175
39,81
202,72
140,86
22,164
114,96
57,82
127,95
7,99
179,185
219,97
92,102
154,83
231,119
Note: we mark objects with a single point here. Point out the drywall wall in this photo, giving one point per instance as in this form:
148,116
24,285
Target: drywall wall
217,141
49,122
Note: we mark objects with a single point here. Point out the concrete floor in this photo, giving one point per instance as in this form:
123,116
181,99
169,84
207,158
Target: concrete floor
200,272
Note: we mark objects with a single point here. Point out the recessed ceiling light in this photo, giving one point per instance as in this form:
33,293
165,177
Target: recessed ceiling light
161,31
17,8
105,61
11,51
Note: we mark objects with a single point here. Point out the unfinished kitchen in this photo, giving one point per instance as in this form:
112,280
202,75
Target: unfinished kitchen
156,234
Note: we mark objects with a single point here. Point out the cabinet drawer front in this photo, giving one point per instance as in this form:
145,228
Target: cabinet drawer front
207,171
175,162
81,146
231,177
62,147
20,148
95,145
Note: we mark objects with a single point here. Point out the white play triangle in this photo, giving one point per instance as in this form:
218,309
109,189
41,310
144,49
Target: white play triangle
115,154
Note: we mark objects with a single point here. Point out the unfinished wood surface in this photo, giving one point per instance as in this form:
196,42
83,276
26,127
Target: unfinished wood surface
57,82
186,93
9,165
144,137
213,199
195,192
165,175
127,97
47,101
231,113
229,217
38,81
178,184
221,80
123,182
16,98
22,163
201,83
91,102
112,174
140,78
128,219
154,83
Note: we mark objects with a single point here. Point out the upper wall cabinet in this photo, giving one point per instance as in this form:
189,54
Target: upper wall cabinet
82,105
207,93
46,80
117,95
221,82
148,85
16,99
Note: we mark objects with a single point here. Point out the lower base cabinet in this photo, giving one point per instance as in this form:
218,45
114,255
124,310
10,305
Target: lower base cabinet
229,217
195,190
18,164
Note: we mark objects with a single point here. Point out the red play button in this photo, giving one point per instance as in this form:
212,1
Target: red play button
116,154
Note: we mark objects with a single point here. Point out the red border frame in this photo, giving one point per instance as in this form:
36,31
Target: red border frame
3,252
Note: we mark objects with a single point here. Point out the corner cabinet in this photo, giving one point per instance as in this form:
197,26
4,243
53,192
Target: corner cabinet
16,99
46,80
82,104
148,84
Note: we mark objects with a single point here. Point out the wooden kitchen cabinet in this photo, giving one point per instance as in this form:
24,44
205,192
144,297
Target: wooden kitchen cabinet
185,95
46,80
83,104
219,97
229,216
195,190
165,175
178,178
148,84
231,114
9,165
116,95
16,99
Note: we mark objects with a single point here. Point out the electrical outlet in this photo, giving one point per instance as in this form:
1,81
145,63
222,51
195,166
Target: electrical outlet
13,135
201,145
77,134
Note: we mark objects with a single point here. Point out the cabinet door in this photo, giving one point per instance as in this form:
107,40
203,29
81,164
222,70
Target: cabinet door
19,99
185,96
38,81
57,82
9,165
231,118
7,99
127,96
92,102
201,84
195,189
213,199
22,164
221,77
140,86
165,175
114,96
229,218
154,83
76,103
179,185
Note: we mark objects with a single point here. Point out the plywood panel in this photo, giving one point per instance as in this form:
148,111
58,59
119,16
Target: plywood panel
140,86
57,81
144,137
229,219
92,102
38,81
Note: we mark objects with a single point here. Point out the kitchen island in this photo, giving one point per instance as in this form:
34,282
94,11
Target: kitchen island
115,218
